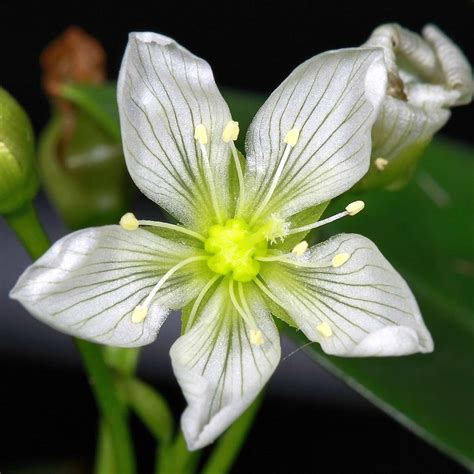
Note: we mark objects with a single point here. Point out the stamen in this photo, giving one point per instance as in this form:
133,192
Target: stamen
270,295
240,176
200,134
246,317
197,303
231,132
351,210
324,329
129,222
355,207
380,163
256,336
140,312
340,259
290,139
300,249
287,258
229,135
177,228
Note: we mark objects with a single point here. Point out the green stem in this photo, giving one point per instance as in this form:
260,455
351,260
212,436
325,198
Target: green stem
230,443
27,227
105,459
124,361
113,411
175,457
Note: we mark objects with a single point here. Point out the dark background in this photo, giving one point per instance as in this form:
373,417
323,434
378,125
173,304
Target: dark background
251,46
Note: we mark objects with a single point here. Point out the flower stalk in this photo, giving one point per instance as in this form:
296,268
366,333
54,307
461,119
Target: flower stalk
27,227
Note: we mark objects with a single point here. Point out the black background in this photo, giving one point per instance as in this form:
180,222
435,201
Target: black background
251,46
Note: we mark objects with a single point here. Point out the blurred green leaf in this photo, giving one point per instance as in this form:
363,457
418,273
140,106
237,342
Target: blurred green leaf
149,406
84,173
426,231
100,102
87,181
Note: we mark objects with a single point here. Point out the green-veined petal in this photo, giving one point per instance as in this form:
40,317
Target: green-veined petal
354,305
400,135
164,93
89,282
219,370
332,101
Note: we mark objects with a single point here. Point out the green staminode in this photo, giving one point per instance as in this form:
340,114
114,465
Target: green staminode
234,247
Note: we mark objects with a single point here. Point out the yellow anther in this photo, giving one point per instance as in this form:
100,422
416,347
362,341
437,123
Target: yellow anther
380,163
324,329
340,259
355,207
291,138
231,132
200,134
129,221
139,314
300,249
256,337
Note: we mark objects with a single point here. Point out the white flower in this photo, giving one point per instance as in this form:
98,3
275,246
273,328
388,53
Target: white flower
426,77
230,265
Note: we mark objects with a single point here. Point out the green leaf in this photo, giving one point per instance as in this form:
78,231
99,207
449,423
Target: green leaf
98,101
149,406
426,231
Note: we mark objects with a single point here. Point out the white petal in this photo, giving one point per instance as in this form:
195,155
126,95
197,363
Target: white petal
402,125
88,283
398,41
219,370
455,66
164,93
333,100
361,308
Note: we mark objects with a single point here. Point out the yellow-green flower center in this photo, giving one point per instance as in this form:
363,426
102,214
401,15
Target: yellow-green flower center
235,246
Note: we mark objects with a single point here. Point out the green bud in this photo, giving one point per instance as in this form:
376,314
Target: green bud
85,177
18,176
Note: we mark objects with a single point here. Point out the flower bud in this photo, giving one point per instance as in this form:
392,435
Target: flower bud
426,77
18,176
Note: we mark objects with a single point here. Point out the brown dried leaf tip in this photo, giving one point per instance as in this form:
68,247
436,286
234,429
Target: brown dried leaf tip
73,56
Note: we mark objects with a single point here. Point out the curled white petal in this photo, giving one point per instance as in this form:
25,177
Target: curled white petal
427,76
456,69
